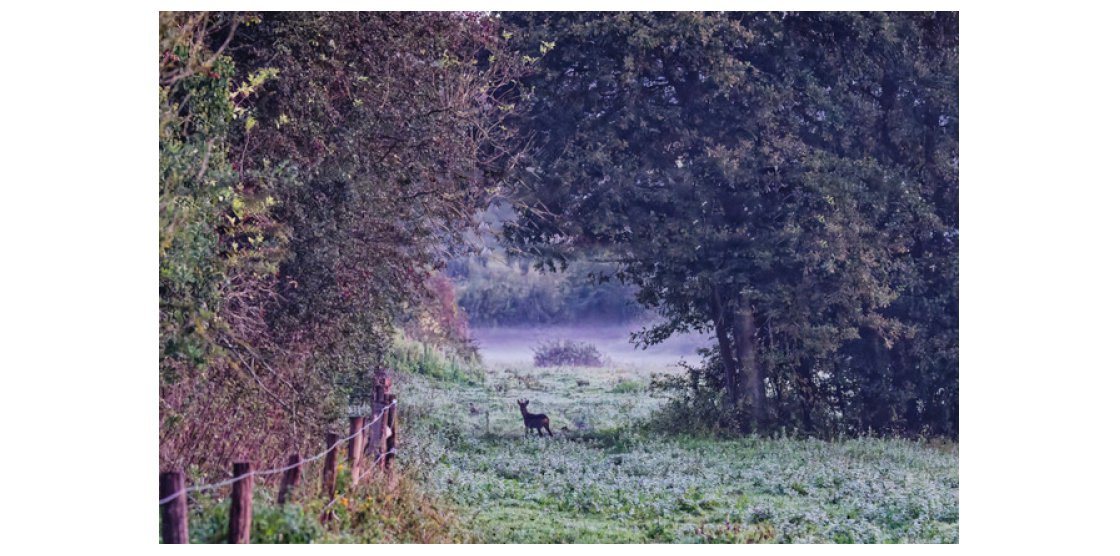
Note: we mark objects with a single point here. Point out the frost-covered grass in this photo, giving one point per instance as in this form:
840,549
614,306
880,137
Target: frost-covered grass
606,479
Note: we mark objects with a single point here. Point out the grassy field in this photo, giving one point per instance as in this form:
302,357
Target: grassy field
608,479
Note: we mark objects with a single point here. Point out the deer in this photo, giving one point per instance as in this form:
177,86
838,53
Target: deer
533,420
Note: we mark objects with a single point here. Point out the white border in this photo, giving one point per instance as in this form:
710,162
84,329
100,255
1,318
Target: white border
1039,301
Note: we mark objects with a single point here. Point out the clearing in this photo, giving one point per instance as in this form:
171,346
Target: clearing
606,479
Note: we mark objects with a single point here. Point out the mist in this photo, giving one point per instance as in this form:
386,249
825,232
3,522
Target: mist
513,345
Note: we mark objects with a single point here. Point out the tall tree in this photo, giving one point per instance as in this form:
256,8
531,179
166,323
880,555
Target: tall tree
787,181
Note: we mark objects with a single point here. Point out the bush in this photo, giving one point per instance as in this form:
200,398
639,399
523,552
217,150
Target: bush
567,352
271,524
695,404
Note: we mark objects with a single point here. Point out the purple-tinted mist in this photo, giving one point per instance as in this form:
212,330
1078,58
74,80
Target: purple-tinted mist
514,345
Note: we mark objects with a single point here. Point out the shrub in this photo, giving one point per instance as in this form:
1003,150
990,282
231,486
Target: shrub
567,352
271,524
695,404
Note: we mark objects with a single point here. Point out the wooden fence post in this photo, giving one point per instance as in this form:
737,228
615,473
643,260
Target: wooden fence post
354,449
376,445
375,440
290,480
391,426
329,464
174,512
241,505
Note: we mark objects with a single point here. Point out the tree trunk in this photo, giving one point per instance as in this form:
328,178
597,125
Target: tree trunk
730,366
875,405
746,344
806,394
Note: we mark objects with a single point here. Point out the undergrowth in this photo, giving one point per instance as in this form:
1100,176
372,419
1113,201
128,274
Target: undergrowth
410,356
377,511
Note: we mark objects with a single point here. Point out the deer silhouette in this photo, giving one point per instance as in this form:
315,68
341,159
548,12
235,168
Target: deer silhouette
533,420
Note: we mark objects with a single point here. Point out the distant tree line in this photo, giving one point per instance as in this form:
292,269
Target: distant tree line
495,291
786,181
495,287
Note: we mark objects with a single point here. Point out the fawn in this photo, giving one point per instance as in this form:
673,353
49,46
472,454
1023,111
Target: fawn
534,420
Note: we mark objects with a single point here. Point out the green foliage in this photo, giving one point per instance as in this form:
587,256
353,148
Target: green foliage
215,234
498,288
271,524
785,180
695,406
316,170
386,173
196,184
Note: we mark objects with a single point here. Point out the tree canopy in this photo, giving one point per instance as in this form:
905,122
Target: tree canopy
785,180
316,170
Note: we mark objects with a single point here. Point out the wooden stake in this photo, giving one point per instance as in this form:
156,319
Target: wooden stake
377,435
290,480
241,504
376,404
391,424
329,471
174,512
354,448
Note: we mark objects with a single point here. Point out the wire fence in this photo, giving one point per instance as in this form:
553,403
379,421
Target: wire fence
267,472
381,439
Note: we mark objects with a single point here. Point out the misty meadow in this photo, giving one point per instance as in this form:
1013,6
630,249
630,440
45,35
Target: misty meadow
570,277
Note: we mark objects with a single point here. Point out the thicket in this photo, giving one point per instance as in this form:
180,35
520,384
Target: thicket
316,171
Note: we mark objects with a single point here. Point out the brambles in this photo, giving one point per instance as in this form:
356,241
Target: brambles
566,352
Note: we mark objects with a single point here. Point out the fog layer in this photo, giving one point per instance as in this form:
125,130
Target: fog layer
514,345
